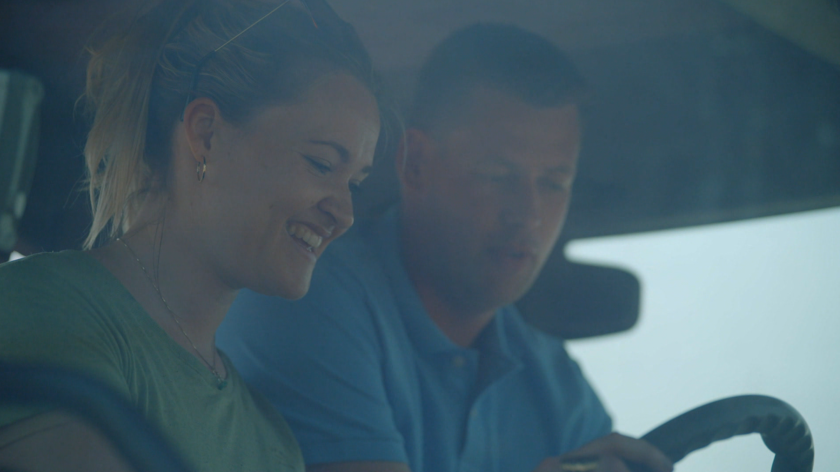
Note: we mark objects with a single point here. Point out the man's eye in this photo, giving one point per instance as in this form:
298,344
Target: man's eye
318,165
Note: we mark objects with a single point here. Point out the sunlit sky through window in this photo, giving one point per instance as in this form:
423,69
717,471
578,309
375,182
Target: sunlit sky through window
729,309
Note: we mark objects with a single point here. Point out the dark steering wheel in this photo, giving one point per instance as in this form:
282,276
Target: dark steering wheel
782,428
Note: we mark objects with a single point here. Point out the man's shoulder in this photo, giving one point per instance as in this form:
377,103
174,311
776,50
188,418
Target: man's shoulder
531,345
546,363
351,250
354,260
521,332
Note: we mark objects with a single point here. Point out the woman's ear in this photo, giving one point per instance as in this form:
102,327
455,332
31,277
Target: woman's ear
413,154
201,119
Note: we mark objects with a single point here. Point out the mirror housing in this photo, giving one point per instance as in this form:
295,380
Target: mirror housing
574,301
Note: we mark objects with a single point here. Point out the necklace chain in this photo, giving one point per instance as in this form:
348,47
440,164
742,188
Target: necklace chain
212,366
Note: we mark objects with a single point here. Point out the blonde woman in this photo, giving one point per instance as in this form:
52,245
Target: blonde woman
226,140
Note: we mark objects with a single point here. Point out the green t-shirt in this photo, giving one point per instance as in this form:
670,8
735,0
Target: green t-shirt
66,309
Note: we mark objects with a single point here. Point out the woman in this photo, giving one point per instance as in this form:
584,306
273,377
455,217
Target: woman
226,139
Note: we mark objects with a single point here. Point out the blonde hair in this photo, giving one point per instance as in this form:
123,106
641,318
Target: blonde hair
139,79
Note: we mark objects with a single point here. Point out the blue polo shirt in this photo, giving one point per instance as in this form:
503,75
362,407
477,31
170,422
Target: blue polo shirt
361,373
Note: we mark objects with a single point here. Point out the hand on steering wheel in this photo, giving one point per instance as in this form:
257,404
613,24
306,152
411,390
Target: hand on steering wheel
608,454
782,428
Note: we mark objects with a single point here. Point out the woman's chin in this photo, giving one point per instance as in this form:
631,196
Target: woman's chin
290,289
296,293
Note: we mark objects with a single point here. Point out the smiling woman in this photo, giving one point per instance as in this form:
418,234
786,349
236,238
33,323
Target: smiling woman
245,186
286,194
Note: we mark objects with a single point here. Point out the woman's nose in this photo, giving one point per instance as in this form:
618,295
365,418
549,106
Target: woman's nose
340,208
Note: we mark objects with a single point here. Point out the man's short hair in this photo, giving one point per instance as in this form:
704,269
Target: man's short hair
499,56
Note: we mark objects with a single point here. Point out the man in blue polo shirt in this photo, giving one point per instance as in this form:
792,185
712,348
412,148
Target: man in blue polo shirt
407,353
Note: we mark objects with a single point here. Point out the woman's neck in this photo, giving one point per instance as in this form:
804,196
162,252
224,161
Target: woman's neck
176,284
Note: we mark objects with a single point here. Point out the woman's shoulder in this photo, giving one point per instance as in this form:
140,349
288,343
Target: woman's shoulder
50,314
46,267
66,281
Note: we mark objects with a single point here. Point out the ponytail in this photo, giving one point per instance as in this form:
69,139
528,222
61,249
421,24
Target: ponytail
138,79
119,82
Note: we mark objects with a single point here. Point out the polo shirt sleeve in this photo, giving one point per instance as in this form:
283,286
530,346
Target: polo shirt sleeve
318,360
591,420
571,401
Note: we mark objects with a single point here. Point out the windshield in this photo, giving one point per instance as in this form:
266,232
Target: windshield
738,308
709,168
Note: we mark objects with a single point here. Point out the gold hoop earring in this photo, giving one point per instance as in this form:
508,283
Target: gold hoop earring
201,169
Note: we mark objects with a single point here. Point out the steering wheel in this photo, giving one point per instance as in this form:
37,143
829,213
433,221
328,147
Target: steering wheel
140,443
782,428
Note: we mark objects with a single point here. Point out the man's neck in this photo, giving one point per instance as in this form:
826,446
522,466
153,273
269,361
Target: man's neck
460,326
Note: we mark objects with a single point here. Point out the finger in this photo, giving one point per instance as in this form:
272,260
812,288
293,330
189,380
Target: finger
626,448
580,464
551,464
641,451
589,464
611,464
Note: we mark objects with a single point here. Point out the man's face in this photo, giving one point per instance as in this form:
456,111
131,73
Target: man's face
494,199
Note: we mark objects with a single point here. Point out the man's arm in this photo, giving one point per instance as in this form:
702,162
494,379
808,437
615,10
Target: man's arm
610,453
57,442
607,453
360,466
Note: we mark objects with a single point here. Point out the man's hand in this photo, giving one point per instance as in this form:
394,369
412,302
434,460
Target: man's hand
607,454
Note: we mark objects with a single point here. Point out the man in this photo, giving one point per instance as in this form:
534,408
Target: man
407,353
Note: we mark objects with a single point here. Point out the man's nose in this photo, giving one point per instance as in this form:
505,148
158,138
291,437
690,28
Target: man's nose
339,207
523,206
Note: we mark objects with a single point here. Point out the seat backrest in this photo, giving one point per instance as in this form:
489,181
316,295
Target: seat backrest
20,100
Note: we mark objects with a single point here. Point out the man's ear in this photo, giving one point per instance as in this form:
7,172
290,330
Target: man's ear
412,161
201,118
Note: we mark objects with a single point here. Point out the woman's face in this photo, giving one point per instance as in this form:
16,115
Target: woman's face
277,191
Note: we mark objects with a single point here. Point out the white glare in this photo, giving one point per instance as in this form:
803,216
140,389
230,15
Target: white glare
729,309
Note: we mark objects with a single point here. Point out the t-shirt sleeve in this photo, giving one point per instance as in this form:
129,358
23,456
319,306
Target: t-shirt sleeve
318,361
46,321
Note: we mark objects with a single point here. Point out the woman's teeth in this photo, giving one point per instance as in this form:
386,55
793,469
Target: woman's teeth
306,235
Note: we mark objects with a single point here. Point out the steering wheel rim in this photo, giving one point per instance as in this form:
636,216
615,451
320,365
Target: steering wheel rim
782,428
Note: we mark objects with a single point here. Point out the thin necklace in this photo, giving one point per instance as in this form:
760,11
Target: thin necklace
221,383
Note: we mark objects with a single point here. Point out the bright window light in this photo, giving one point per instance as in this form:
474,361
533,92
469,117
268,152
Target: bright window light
728,309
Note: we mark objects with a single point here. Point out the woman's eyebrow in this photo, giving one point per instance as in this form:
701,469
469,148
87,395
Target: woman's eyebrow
342,151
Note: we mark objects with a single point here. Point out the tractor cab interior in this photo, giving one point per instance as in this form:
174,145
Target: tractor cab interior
702,112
